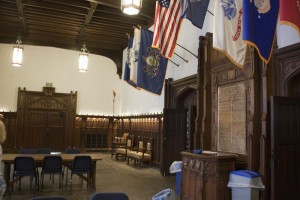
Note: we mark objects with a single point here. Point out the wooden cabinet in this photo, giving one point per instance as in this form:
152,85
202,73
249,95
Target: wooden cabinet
205,176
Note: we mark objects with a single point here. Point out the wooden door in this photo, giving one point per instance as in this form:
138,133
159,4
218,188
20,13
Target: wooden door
35,126
56,130
285,148
174,137
46,129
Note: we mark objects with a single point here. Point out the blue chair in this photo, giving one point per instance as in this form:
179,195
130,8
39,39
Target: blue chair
27,151
49,198
25,166
109,196
52,165
70,150
82,165
43,151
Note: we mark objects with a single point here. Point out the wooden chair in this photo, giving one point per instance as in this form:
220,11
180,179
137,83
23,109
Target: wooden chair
118,142
143,153
122,139
123,150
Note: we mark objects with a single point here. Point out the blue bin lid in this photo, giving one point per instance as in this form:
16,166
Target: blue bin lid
246,173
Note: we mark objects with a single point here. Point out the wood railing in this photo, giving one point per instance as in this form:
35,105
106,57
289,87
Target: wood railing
95,133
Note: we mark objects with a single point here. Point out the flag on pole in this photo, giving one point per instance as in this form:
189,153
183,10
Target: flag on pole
167,22
134,53
195,11
126,76
227,30
151,65
259,25
290,13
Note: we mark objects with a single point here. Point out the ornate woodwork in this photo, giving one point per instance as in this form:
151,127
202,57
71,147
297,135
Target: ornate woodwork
206,176
225,74
45,119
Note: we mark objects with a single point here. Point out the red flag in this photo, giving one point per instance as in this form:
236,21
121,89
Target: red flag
290,13
167,23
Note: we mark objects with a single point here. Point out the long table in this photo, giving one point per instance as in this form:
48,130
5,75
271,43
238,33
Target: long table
8,160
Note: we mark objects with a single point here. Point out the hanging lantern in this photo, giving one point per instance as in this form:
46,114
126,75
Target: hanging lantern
17,57
131,7
83,59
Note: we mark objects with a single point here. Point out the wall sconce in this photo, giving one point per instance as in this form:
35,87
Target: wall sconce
131,7
17,57
83,59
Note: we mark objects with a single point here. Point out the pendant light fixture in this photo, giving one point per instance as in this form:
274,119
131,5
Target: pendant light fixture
131,7
17,57
83,59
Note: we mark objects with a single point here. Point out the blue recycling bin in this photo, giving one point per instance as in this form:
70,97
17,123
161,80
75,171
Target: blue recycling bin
178,183
176,168
245,185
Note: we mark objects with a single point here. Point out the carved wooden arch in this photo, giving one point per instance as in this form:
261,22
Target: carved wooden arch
289,69
176,90
183,94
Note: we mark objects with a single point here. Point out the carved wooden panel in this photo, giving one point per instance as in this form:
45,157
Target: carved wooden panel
46,119
232,118
224,76
205,176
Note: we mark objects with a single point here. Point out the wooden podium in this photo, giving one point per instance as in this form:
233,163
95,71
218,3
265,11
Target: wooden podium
205,176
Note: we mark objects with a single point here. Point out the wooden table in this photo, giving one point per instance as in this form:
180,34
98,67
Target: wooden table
8,159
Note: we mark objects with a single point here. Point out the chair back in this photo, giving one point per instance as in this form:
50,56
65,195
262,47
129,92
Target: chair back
49,198
52,164
72,151
109,196
82,164
27,151
24,166
43,151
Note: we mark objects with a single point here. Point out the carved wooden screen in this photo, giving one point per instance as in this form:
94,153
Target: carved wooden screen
233,100
46,119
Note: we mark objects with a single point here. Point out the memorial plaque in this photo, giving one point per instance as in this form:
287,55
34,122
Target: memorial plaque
232,118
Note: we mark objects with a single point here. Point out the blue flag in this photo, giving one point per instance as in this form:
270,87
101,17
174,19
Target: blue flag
259,25
195,11
128,63
151,65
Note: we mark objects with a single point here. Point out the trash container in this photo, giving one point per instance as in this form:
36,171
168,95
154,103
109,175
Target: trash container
166,194
245,185
176,168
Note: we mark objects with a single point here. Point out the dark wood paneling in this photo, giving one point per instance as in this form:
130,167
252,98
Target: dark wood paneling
46,119
285,118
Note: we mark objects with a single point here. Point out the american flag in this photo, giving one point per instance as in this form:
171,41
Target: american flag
167,23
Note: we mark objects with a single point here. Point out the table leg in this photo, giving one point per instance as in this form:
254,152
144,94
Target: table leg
7,173
93,181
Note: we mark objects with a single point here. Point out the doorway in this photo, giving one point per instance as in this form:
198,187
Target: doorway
45,129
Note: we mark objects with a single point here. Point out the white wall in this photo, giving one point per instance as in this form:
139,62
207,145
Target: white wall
46,64
59,66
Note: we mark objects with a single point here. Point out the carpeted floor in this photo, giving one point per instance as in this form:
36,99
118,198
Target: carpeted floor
112,176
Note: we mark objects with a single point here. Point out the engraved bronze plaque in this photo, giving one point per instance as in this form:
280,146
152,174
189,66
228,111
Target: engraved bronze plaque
232,118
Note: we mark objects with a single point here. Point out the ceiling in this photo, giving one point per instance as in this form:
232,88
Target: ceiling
68,24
